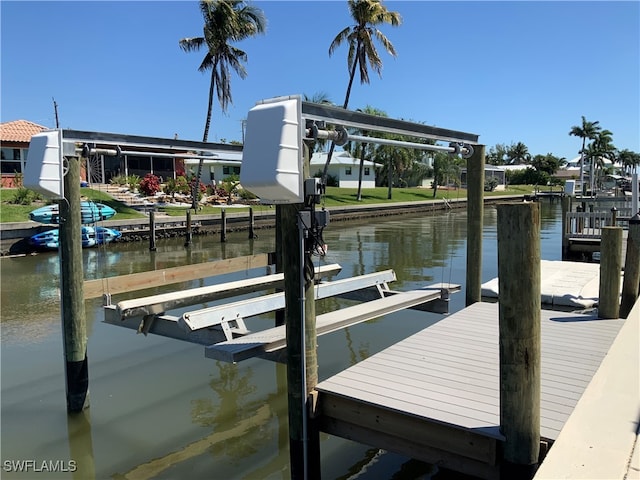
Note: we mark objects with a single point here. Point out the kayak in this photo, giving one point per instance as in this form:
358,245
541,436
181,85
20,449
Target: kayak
90,212
91,236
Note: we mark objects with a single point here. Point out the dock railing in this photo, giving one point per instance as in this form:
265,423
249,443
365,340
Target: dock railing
589,224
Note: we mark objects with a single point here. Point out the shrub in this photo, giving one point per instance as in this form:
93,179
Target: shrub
24,196
246,194
119,180
490,184
133,181
149,185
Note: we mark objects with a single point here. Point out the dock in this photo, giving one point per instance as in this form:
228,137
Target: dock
435,395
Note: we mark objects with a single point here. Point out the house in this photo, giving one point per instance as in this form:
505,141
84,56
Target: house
14,138
216,167
128,155
493,171
345,169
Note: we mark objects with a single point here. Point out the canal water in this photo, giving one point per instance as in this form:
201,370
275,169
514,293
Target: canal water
160,409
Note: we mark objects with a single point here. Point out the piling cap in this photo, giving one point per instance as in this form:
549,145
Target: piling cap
635,219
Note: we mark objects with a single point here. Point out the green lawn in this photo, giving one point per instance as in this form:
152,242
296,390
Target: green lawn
335,196
10,212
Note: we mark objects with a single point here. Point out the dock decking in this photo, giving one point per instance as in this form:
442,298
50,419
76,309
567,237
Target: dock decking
435,395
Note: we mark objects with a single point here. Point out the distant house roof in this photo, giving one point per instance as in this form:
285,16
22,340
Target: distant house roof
19,131
339,158
218,158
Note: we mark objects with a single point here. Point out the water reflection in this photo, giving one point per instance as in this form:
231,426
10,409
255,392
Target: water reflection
160,409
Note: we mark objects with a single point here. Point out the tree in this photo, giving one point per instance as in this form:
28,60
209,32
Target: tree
225,21
363,54
518,154
587,130
498,154
600,148
547,163
445,167
629,160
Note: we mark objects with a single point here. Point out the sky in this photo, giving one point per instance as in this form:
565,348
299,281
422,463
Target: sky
506,71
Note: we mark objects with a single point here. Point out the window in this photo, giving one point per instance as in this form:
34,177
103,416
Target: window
347,171
229,170
12,159
366,171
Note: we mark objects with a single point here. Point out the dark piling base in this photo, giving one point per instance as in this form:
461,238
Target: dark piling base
77,385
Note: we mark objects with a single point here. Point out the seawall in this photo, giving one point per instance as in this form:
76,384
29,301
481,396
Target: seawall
14,235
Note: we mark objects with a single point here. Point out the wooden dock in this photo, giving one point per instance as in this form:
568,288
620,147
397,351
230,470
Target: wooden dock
435,395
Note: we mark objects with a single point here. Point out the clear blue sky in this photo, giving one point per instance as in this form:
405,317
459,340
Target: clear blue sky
508,71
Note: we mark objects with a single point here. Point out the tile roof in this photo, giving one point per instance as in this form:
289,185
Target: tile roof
19,131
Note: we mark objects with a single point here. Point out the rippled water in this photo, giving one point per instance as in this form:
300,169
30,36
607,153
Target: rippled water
160,409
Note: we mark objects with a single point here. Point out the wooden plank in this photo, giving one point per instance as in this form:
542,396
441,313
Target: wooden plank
207,317
454,440
408,447
273,339
155,304
158,278
448,372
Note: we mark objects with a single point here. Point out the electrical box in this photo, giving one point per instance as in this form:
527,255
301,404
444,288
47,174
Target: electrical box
272,156
570,187
43,172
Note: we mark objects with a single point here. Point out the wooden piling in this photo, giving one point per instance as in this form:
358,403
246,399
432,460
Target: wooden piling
610,268
71,286
631,282
475,212
223,227
566,208
278,258
252,233
188,232
300,325
152,231
519,311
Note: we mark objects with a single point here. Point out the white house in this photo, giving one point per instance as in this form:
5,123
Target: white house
345,169
217,167
343,166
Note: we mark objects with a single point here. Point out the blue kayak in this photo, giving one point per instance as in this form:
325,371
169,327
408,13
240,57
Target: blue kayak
91,236
90,212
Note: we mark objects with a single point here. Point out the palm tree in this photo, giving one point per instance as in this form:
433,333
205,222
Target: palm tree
629,160
225,21
602,147
519,154
363,54
588,130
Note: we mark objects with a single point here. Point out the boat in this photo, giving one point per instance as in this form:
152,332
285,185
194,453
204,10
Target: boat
90,212
91,236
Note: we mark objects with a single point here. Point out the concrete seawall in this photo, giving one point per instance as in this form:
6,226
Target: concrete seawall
14,235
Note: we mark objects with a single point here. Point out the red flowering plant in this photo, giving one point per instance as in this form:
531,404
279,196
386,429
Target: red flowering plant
149,185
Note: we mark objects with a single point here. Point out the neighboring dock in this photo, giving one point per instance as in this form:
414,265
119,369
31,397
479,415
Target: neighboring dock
435,395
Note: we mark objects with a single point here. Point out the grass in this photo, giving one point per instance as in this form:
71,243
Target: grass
334,197
10,212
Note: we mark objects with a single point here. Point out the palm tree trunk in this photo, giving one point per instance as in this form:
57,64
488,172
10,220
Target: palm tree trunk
359,197
344,105
352,75
390,177
582,185
205,136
